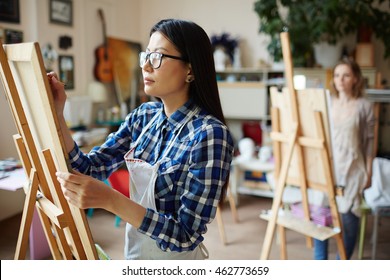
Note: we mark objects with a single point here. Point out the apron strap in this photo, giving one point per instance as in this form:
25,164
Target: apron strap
149,124
168,149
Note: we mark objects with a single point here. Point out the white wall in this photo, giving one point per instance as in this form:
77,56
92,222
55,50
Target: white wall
235,17
132,20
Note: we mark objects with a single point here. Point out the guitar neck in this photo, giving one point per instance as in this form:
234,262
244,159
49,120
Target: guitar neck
105,41
101,15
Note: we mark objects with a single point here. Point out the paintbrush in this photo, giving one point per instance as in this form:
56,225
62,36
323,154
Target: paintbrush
58,81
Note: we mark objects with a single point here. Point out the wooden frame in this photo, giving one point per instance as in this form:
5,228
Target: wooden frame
41,148
61,12
10,11
66,70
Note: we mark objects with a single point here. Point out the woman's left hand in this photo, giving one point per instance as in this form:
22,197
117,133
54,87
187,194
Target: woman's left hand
83,191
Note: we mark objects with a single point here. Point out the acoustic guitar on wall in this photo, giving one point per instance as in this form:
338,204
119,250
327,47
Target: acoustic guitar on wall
104,67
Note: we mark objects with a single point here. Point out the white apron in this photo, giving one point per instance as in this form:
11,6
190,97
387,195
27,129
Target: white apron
142,183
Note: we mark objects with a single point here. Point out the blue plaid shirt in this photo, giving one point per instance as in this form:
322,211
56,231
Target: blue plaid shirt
190,176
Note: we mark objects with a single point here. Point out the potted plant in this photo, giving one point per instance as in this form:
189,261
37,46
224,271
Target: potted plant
277,16
315,21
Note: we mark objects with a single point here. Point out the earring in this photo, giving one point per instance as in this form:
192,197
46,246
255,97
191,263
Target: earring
189,79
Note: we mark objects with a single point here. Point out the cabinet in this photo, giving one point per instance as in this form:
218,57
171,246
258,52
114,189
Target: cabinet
244,92
244,100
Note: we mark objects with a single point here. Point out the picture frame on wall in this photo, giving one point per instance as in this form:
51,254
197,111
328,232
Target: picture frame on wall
61,12
66,70
12,36
9,11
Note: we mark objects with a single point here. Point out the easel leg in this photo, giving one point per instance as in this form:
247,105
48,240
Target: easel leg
232,204
55,251
221,226
269,234
362,231
283,247
27,216
233,208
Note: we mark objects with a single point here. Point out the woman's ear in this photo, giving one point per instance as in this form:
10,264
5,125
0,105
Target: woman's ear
190,76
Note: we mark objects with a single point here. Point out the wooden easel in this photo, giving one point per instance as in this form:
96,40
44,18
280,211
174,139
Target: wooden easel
219,218
41,150
301,144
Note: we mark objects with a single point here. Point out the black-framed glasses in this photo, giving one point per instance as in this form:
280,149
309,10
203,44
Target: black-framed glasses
154,58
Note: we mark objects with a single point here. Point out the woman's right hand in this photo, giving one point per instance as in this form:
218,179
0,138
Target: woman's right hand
58,90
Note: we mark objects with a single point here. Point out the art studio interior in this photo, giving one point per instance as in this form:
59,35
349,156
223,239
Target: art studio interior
274,66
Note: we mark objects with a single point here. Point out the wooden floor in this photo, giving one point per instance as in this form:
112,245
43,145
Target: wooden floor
245,239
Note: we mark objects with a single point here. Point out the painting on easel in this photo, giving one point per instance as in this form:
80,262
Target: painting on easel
126,70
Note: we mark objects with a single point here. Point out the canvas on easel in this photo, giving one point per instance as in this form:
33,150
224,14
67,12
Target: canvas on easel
308,101
303,158
40,146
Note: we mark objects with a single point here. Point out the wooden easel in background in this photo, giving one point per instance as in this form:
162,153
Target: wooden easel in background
301,144
41,150
233,208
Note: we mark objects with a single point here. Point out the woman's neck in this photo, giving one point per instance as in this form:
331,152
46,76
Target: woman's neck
345,97
172,104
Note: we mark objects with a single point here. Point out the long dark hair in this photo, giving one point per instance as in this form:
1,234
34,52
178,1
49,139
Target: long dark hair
195,47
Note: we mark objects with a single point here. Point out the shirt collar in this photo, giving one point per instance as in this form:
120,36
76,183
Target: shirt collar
179,117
